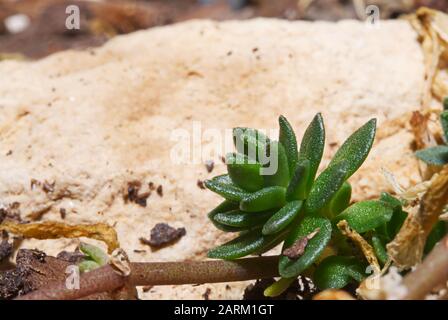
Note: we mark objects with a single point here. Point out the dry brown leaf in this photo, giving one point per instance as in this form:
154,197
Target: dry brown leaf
56,230
406,249
432,27
365,247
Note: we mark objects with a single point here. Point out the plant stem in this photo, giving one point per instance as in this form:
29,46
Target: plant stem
431,273
161,273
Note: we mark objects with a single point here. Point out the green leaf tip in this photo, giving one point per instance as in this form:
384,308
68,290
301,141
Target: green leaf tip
356,148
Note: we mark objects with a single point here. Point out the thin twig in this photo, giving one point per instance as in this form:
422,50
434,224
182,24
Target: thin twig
430,274
161,273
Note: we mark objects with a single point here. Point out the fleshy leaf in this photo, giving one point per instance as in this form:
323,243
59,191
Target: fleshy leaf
87,265
336,272
391,228
264,199
380,248
297,187
288,139
444,123
366,215
312,146
278,287
94,253
224,186
292,267
225,206
437,155
237,218
356,148
244,173
437,233
247,243
276,175
326,185
340,201
282,218
250,142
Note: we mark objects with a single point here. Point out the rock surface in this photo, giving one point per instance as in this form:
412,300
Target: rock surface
86,124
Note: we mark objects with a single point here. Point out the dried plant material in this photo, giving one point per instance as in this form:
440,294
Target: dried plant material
432,27
406,249
398,189
163,234
298,248
56,230
333,294
365,247
120,262
419,125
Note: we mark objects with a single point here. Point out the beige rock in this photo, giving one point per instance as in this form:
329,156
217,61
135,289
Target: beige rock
92,121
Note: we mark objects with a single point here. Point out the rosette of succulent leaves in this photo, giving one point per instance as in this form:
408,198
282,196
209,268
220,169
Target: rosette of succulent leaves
293,206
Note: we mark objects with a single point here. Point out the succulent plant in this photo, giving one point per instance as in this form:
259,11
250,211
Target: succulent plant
292,206
437,155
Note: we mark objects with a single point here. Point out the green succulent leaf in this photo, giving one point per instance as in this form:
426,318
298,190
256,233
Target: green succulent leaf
380,248
276,169
248,243
445,103
224,207
336,272
297,187
94,253
289,268
312,146
444,122
340,201
264,199
391,228
87,265
278,287
237,218
251,142
282,218
288,139
437,155
437,233
244,173
326,185
356,148
366,215
225,187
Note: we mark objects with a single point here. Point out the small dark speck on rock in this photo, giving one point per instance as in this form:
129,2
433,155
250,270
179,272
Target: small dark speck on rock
63,213
206,294
9,153
209,165
162,234
160,190
146,288
200,184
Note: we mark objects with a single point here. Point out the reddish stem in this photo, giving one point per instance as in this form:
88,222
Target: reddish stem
161,273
